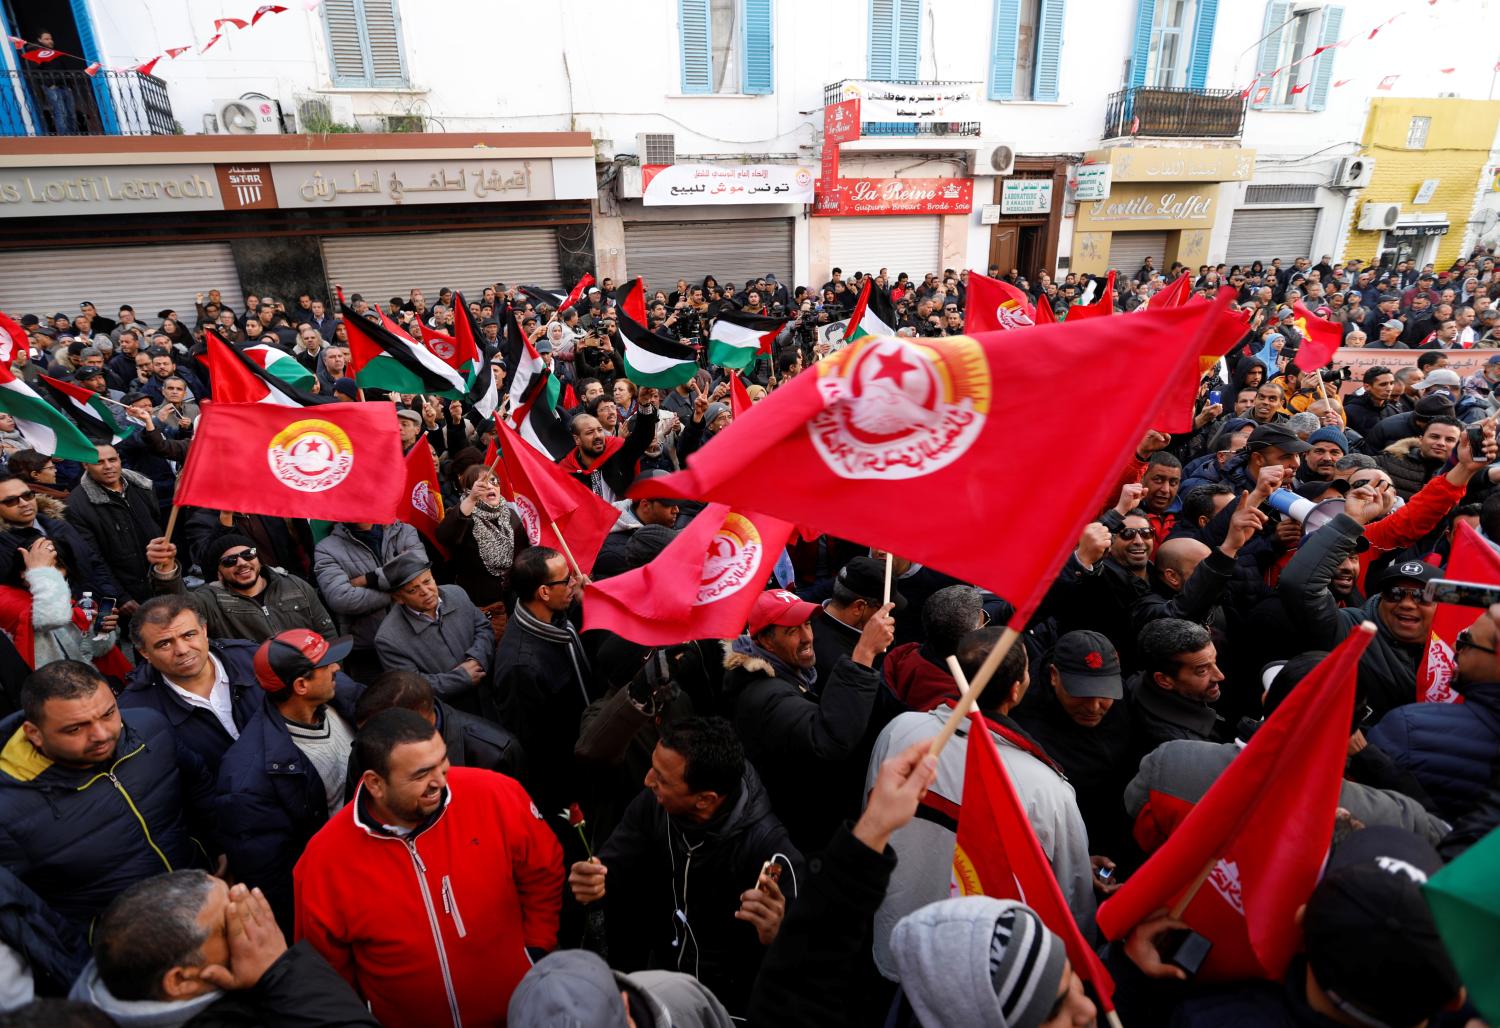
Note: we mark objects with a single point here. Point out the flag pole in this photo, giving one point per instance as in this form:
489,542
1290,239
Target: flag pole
1192,890
171,523
981,679
566,551
889,561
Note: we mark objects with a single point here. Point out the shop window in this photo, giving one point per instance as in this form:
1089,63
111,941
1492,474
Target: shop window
1026,50
1286,80
364,43
726,46
895,40
1416,132
1173,42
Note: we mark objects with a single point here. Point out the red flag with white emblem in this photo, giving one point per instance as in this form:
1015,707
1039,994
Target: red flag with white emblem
990,304
422,502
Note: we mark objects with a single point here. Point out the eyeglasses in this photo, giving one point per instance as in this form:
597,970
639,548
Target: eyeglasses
561,581
1371,483
1397,593
1465,640
1134,533
229,560
18,499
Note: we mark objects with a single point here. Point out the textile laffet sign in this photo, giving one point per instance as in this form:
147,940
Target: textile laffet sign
902,196
669,184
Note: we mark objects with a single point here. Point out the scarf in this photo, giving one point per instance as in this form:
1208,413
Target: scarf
805,677
495,537
561,635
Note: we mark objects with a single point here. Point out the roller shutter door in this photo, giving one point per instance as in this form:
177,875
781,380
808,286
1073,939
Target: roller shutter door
661,252
1129,250
909,243
386,266
1261,235
149,278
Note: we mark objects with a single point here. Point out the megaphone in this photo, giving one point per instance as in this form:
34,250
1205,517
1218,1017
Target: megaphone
1311,515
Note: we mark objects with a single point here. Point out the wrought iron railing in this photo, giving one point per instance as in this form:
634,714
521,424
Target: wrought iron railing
1158,111
47,102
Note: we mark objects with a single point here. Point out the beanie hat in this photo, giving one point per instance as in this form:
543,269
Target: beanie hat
712,414
216,548
978,961
1329,434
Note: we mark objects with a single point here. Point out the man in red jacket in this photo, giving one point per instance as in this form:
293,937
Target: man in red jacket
434,885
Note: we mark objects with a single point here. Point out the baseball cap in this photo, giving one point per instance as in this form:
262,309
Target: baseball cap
1088,666
865,578
294,654
1439,376
1494,360
1392,849
1279,436
86,372
1434,406
1393,323
779,607
1406,571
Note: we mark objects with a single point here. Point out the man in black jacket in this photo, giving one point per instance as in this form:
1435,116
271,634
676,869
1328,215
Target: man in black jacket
857,592
471,741
21,525
115,511
1366,408
185,949
1173,696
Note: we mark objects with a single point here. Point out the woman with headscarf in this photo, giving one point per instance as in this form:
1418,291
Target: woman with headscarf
483,534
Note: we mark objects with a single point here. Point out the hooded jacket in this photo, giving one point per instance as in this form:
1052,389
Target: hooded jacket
576,987
706,868
1452,748
616,468
434,927
50,948
1364,415
79,836
915,679
118,526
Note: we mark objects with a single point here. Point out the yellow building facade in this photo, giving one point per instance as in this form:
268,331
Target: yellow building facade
1430,158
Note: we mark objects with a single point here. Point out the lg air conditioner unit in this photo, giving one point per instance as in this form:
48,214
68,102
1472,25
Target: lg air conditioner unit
248,117
1354,173
1002,160
1376,217
656,147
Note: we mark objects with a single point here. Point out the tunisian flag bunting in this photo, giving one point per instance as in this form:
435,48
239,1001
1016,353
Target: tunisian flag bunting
549,501
917,446
991,304
998,855
1254,845
422,500
332,464
1319,338
701,586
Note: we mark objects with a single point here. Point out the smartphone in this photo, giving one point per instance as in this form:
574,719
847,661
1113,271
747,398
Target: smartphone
770,870
1215,396
1186,949
1476,439
105,607
1464,594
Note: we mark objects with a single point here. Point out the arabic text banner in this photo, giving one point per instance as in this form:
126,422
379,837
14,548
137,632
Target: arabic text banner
679,184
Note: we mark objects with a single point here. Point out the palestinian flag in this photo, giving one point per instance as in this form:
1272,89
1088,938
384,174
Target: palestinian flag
631,299
45,427
484,395
540,297
90,411
651,359
393,361
736,338
873,314
533,391
280,364
236,378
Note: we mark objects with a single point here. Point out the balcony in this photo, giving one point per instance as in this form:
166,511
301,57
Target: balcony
934,108
1157,111
42,102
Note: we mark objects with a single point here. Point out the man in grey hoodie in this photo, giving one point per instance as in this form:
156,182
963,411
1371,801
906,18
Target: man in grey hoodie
574,986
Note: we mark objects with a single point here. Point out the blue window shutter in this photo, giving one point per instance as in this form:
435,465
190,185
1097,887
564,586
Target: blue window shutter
1049,50
882,39
1145,12
1317,96
1203,43
1270,47
692,26
757,48
1003,50
90,47
908,56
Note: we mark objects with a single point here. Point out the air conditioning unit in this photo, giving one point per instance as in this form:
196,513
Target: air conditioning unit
1375,217
990,159
247,117
629,182
1354,173
1002,160
656,147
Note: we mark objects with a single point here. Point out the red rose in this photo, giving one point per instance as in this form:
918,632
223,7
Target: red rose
575,816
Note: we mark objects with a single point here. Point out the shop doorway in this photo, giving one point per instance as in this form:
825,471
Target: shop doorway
1020,245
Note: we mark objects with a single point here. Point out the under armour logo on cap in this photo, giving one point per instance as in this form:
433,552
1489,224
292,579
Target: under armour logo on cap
1412,567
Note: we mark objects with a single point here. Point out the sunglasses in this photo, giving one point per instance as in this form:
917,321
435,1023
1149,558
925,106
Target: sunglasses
229,560
1464,640
1397,593
1372,483
1134,533
18,499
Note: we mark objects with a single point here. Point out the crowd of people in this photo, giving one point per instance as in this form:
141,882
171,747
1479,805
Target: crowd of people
278,772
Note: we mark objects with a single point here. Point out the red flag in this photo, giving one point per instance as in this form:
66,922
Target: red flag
17,42
261,12
443,346
1100,308
92,69
1319,338
1175,294
421,497
631,298
1262,830
175,52
231,381
997,854
549,500
12,337
332,463
701,586
887,425
991,304
149,66
569,398
211,41
1045,315
1178,396
41,56
238,23
739,396
577,293
1472,559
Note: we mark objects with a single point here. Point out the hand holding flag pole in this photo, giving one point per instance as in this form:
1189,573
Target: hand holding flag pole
889,561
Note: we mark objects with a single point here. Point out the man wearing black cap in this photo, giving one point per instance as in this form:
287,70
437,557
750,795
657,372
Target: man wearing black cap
614,556
1409,424
284,777
838,627
434,630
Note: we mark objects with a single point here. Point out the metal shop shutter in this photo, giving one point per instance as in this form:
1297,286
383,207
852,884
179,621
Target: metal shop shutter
149,278
909,243
661,252
1261,235
1129,250
381,267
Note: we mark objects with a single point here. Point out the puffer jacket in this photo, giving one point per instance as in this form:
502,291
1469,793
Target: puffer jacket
1408,469
118,526
1453,749
286,602
79,836
53,949
341,557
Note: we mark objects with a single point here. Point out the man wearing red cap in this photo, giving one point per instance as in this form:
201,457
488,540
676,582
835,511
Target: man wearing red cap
284,777
804,746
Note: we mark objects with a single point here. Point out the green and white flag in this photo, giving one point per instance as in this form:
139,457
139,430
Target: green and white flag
736,338
47,429
92,412
654,360
281,364
873,314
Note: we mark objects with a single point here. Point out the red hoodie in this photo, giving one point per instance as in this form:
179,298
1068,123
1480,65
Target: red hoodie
433,929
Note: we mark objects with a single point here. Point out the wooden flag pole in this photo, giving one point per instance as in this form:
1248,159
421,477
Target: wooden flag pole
966,702
566,551
1192,890
171,523
889,563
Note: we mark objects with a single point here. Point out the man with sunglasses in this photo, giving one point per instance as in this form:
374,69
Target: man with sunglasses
247,600
21,524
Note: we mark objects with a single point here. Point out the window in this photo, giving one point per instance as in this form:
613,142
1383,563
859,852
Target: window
1166,65
895,40
1173,42
364,43
1026,52
726,46
1416,133
1293,48
1290,37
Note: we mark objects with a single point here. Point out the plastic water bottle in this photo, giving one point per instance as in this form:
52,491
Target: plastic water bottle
89,607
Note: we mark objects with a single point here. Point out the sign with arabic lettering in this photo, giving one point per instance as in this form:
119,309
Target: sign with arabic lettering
1092,182
398,183
901,196
669,184
1026,196
914,101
